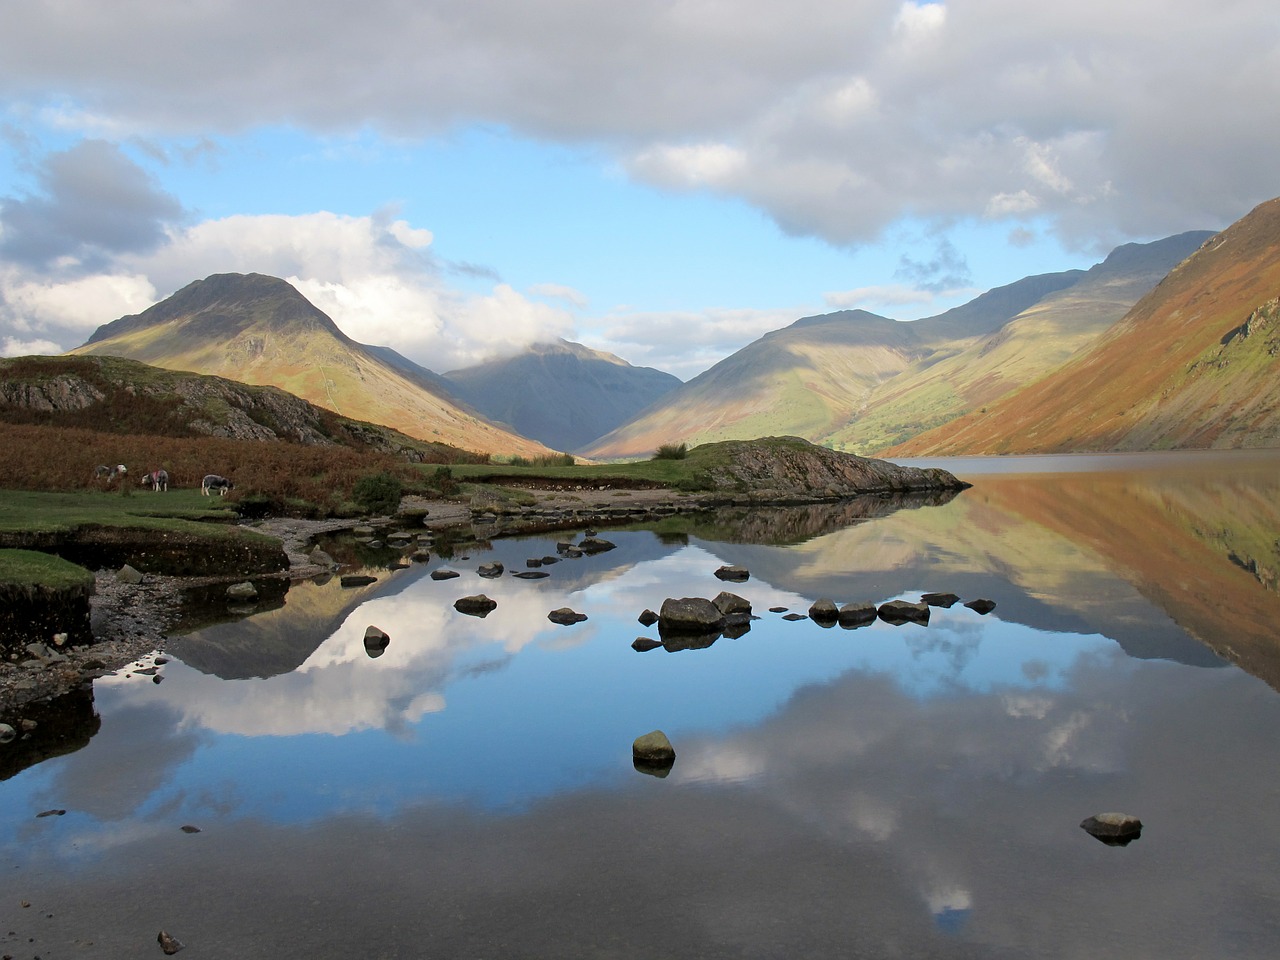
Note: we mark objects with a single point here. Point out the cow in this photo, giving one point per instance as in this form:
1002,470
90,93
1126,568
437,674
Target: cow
109,474
214,482
157,480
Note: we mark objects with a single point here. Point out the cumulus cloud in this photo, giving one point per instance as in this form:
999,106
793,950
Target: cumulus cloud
835,119
98,245
947,269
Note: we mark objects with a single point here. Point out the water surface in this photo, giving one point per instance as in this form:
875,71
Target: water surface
886,791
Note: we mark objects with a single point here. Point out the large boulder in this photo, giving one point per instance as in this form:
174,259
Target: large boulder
689,615
853,615
732,605
824,612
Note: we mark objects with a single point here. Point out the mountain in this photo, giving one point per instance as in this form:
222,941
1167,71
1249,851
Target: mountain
260,330
1195,363
562,394
859,382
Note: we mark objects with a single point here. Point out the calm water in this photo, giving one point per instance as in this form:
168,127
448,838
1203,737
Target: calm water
888,791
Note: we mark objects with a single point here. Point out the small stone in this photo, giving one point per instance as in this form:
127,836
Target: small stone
531,575
824,612
440,573
170,945
853,615
1113,829
981,606
242,591
188,828
734,573
898,612
795,616
648,618
357,580
490,571
376,641
777,609
157,679
644,644
565,616
321,559
59,639
731,605
128,574
51,813
653,746
533,563
945,600
475,606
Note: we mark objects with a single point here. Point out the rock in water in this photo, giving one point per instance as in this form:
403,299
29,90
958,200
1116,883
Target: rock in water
981,605
653,747
357,580
242,591
1113,829
490,570
648,618
170,945
944,600
824,612
734,574
475,606
565,616
442,574
593,545
644,644
376,641
689,615
853,615
898,612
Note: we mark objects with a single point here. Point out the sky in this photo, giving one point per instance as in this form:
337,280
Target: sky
666,180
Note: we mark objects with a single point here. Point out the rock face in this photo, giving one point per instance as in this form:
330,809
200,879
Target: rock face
789,468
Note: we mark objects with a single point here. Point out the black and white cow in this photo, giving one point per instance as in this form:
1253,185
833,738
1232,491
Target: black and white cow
214,483
157,480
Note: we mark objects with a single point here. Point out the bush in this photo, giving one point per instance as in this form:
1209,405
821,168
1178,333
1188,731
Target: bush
378,493
671,451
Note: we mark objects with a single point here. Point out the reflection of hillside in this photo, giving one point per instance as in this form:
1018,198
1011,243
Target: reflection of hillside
978,545
1181,541
786,525
62,725
274,641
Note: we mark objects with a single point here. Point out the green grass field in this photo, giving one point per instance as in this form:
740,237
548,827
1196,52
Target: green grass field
25,511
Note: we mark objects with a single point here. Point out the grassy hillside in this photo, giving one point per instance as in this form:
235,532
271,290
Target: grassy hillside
1193,364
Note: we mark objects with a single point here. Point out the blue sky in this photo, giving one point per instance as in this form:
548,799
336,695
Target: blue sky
664,179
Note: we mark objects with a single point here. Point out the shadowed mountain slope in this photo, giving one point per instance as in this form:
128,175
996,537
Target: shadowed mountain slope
562,394
260,330
1193,364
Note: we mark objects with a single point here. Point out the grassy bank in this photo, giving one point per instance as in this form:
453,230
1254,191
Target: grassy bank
178,511
25,570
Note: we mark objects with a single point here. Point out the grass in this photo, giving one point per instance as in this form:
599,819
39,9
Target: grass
28,568
26,511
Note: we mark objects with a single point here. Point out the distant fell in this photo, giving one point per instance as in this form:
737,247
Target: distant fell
860,382
1194,364
260,330
562,394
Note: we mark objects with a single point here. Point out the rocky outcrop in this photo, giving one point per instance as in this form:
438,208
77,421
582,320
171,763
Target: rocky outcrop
781,468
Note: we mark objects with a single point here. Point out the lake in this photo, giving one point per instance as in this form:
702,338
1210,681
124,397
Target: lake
912,791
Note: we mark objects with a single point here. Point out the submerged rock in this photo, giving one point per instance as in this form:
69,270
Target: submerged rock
648,618
442,574
490,571
734,573
592,545
1113,829
531,575
981,605
644,644
357,580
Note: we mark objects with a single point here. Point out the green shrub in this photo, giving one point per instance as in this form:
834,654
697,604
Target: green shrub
378,492
442,483
671,451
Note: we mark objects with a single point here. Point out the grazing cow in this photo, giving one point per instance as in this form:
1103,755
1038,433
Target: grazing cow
157,480
214,482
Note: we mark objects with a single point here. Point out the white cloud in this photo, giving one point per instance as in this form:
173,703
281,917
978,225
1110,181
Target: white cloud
875,298
13,347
